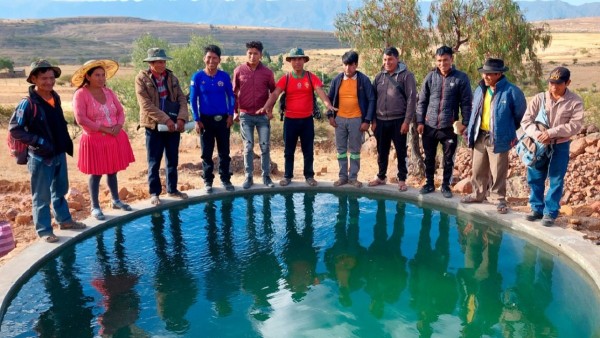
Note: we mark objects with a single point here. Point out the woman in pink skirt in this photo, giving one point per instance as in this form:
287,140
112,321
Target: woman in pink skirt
104,147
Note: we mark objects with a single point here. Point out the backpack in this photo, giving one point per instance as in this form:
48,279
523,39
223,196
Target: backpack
18,149
530,150
316,108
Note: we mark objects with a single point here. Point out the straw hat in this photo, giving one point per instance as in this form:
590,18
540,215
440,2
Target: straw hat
109,66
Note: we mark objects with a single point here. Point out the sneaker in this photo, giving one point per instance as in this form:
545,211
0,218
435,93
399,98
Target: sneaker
248,182
547,221
311,182
97,214
340,182
534,216
427,188
355,183
446,192
178,194
118,204
228,186
285,182
268,182
208,187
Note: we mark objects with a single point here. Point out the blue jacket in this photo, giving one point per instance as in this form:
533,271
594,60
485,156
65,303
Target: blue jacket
508,108
211,95
441,97
366,95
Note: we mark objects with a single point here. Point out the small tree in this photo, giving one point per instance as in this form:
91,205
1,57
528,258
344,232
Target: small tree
141,46
6,63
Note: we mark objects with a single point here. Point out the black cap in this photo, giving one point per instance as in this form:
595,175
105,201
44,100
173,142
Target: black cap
559,75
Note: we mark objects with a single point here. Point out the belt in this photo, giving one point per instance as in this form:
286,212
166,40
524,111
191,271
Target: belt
217,118
251,114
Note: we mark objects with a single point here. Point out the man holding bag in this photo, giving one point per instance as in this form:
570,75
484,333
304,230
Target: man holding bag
565,117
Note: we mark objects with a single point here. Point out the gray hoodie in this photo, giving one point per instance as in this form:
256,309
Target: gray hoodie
392,104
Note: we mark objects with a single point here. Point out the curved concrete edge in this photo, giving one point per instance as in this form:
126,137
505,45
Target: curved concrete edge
567,242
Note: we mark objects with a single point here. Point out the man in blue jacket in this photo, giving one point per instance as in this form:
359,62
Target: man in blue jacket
498,107
353,95
445,90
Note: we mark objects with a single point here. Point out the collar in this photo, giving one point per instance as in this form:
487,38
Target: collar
157,75
353,77
257,66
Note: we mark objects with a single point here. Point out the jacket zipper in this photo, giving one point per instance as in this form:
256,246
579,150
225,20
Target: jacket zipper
441,100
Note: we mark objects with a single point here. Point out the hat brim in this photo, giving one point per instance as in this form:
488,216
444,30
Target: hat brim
110,68
482,70
157,58
56,70
289,58
557,81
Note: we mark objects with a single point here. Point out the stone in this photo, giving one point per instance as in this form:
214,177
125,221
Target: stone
591,129
75,206
11,214
324,170
23,219
591,149
566,210
577,147
583,211
596,206
463,186
123,194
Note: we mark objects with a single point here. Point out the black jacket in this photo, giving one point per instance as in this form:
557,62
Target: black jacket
441,97
46,133
366,95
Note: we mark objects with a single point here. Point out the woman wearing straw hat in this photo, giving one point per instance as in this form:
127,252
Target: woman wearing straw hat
104,147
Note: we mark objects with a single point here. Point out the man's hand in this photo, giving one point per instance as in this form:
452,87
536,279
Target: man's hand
199,127
229,121
404,128
364,127
236,117
180,126
171,125
373,126
461,128
420,129
332,122
270,115
544,137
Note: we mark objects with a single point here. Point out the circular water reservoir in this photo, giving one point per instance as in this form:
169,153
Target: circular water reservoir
304,265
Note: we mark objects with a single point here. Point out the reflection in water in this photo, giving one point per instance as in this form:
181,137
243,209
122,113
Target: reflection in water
298,253
227,268
116,284
69,314
433,289
175,285
345,258
386,267
261,270
222,275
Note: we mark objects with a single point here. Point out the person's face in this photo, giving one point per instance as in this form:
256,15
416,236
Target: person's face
491,79
44,80
390,63
254,56
298,64
212,61
350,70
444,63
558,89
158,66
97,79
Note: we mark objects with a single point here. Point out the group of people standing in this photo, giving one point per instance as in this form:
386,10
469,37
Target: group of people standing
444,108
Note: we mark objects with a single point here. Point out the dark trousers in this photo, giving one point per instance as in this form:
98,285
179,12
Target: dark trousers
448,139
305,130
158,143
215,131
387,132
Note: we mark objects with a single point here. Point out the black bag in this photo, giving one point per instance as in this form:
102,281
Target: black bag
316,108
171,108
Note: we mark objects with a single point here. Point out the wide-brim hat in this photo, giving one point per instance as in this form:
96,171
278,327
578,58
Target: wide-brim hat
157,54
40,64
493,66
110,68
296,53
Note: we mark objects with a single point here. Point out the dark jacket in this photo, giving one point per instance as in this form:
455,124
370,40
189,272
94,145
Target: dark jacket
365,92
508,108
393,104
442,96
46,133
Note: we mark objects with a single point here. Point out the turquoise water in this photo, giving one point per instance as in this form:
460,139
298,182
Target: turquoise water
304,265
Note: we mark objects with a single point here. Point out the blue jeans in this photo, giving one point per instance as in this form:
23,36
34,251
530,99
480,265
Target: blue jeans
49,184
158,143
553,168
263,127
304,129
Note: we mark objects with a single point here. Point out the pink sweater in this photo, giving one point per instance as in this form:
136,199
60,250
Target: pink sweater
91,114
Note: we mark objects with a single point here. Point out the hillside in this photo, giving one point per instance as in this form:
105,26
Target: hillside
71,40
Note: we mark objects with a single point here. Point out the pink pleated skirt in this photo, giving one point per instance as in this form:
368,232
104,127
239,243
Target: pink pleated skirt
101,154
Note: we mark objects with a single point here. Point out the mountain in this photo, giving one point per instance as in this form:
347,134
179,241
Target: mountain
296,14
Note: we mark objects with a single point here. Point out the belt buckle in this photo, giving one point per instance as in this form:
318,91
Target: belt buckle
218,118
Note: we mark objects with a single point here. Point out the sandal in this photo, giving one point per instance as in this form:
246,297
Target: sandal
469,199
502,208
377,181
50,238
154,200
72,225
178,194
402,186
355,183
311,182
118,204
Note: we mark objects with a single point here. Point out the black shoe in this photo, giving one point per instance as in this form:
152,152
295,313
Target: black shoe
427,188
248,182
268,182
446,192
228,186
534,216
547,221
208,187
